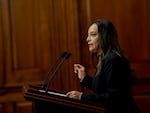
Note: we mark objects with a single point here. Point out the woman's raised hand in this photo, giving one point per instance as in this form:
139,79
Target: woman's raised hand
79,70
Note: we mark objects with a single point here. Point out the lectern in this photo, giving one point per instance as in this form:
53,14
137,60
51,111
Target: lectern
56,102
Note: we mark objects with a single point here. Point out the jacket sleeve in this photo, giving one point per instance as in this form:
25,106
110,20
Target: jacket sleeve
87,82
117,82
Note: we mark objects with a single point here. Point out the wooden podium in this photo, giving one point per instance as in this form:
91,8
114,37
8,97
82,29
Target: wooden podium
56,102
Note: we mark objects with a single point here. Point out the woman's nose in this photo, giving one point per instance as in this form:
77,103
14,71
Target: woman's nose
87,39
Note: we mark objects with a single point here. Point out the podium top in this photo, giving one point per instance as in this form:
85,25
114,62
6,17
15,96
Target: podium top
35,94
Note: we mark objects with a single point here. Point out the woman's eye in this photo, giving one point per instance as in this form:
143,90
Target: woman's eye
94,34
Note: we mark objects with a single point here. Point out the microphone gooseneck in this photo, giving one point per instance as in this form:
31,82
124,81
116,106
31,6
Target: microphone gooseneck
53,69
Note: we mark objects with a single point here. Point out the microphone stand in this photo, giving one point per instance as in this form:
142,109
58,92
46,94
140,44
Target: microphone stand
52,76
51,69
57,65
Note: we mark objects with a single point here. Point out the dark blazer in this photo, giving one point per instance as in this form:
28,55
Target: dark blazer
112,86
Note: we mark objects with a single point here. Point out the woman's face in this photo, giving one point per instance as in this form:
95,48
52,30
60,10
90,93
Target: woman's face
93,39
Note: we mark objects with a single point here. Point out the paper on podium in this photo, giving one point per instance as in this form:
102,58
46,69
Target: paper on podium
54,93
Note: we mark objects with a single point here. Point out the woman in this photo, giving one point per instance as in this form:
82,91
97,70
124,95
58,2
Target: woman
112,82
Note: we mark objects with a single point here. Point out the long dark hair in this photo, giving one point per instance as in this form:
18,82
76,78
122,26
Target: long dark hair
108,41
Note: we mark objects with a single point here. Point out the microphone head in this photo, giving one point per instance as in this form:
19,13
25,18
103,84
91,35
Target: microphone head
67,55
63,54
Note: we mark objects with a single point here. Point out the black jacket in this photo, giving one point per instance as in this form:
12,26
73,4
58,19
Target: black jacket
112,86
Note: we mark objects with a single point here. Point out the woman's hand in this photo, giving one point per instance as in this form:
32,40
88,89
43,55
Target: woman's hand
79,70
73,94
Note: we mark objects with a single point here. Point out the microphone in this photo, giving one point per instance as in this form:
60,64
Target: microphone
54,68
